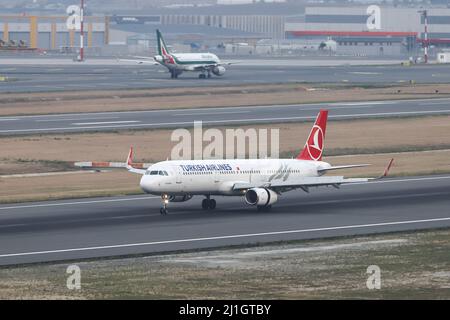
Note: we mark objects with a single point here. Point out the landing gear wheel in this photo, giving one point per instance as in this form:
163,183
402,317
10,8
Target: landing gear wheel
205,204
208,204
201,76
165,201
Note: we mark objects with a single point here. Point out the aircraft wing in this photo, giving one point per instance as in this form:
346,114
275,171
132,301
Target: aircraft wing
139,61
307,182
303,183
227,63
205,67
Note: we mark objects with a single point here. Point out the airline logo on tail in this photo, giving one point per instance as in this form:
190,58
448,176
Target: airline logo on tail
313,149
163,51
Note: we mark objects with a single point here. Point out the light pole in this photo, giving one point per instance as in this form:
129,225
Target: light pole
425,44
82,31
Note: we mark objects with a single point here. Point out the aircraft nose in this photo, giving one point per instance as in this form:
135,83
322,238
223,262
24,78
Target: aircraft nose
146,184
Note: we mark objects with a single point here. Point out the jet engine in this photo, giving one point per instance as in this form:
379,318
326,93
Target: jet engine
182,198
219,70
260,197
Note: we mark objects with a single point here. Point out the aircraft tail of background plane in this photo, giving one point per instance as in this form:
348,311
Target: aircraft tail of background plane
162,48
314,145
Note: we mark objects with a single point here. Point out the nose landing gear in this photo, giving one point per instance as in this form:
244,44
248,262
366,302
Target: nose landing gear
165,201
208,204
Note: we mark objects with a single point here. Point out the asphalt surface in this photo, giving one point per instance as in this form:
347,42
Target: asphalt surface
69,77
88,228
175,118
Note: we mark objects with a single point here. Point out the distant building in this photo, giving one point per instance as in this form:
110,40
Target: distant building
367,31
51,33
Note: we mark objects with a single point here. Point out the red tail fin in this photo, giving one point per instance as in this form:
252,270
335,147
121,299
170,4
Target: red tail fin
314,145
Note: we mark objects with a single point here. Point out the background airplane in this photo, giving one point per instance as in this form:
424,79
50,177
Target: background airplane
259,181
177,63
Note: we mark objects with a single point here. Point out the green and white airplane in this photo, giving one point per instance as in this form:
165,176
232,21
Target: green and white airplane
177,63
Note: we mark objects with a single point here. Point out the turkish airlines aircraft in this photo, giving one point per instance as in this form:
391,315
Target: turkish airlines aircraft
177,63
260,181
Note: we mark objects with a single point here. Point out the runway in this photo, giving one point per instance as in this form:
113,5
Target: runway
87,228
76,77
175,118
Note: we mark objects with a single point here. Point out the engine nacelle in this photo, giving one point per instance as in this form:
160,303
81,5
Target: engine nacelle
260,197
182,198
219,70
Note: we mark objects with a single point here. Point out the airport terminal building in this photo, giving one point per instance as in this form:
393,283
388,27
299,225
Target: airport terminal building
371,31
357,30
51,32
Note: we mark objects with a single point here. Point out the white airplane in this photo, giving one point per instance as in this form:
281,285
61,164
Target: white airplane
177,63
260,181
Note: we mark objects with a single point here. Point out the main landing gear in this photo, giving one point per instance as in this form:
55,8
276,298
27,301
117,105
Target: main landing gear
173,74
208,204
204,75
165,201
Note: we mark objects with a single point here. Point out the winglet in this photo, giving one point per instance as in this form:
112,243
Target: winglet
386,171
129,163
130,157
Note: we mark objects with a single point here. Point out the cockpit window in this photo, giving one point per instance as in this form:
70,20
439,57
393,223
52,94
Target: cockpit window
157,173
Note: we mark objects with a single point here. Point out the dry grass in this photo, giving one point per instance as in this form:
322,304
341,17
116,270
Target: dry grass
414,265
18,153
50,152
148,99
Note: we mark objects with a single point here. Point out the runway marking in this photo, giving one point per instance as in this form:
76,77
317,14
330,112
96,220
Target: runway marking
235,236
434,103
365,73
9,119
400,180
75,119
77,203
410,195
154,197
360,103
209,113
234,108
190,123
108,122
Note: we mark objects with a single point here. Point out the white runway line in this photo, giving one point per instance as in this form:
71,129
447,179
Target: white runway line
208,113
319,104
254,120
235,236
76,119
76,203
109,122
